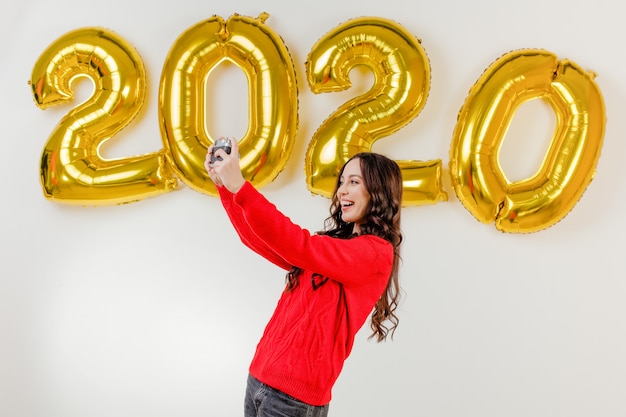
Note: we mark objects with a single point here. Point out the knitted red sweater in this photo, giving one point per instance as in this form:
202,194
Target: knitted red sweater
311,332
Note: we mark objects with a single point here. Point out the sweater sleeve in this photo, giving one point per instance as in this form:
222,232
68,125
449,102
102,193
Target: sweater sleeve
246,234
350,261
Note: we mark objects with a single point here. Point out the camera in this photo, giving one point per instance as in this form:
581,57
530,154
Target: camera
221,143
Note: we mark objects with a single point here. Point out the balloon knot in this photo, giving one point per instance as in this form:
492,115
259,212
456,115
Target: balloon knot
223,33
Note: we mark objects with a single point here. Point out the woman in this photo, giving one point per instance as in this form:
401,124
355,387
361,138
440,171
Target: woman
336,279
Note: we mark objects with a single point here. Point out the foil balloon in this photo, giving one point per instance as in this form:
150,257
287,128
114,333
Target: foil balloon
72,169
400,89
540,201
273,101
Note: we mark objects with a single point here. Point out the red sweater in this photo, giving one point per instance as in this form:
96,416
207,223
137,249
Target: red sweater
311,332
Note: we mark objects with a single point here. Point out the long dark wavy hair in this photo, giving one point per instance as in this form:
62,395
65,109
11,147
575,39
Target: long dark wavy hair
383,180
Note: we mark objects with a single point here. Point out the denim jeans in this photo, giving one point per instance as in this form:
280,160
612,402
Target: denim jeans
265,401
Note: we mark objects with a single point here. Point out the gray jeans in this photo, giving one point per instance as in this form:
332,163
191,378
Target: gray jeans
265,401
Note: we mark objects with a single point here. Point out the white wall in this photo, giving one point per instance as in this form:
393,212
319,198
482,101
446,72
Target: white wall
154,308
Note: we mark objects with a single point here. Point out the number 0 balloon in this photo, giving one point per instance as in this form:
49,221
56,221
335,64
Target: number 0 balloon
261,54
545,198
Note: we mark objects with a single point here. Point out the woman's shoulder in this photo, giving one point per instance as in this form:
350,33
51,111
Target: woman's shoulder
375,242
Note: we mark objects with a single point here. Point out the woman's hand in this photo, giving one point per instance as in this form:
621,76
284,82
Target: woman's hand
226,172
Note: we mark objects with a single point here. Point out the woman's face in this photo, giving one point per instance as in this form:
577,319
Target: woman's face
352,194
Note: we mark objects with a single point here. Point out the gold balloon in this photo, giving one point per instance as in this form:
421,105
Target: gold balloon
401,85
534,203
273,106
72,169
